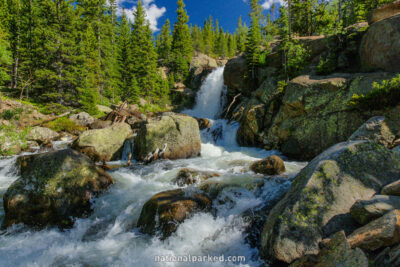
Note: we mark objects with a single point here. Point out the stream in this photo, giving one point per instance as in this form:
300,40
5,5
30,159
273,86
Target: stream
109,237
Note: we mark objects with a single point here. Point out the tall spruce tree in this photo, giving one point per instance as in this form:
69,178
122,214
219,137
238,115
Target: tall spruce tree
164,44
182,48
124,56
143,57
254,39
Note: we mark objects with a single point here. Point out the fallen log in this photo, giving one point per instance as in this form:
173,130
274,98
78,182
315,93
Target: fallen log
51,119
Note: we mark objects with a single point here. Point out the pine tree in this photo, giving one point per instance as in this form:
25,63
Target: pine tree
208,37
144,57
182,48
164,44
254,38
124,56
241,35
5,57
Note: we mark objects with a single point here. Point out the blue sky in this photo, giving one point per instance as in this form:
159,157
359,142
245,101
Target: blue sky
226,11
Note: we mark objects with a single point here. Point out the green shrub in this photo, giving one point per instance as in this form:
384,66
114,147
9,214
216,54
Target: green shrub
11,114
383,95
327,66
64,125
53,108
14,137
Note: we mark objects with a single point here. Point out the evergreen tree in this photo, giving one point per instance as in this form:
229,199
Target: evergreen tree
182,48
254,38
5,56
208,37
144,57
124,56
241,35
164,44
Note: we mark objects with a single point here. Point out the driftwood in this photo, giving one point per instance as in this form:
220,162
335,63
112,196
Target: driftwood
231,104
117,115
51,119
157,154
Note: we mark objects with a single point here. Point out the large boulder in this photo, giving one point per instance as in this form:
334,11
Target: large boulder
104,144
272,165
392,189
319,201
180,133
389,257
82,119
383,232
42,135
380,46
377,130
53,188
384,12
365,211
336,252
164,211
315,114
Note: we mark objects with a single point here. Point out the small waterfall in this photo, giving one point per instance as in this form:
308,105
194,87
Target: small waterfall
209,100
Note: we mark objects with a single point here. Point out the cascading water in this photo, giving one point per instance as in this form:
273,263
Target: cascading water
109,236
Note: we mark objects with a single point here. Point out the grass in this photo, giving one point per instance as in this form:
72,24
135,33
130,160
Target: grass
383,95
64,125
15,137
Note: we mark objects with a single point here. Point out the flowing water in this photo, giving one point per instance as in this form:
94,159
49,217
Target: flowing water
109,236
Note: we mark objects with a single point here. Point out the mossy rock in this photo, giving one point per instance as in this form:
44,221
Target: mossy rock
319,201
272,165
53,189
190,176
179,132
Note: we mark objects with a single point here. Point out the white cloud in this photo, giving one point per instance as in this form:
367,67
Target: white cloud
268,3
152,10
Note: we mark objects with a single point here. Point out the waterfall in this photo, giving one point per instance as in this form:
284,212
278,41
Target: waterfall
209,100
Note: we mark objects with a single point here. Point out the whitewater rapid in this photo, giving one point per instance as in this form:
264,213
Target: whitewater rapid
109,236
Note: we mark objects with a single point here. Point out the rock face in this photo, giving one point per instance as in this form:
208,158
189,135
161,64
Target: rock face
380,46
82,119
383,232
311,115
336,252
103,144
179,132
389,257
204,123
365,211
385,12
234,73
318,203
272,165
190,176
200,67
164,211
377,130
42,135
54,187
392,189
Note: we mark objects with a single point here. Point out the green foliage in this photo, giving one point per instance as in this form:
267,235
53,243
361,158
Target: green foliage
282,86
14,137
52,108
64,124
383,95
296,57
11,114
326,66
5,57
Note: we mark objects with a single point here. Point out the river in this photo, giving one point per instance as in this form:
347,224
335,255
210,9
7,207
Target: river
109,237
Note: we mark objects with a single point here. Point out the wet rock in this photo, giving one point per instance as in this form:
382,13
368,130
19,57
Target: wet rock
103,144
384,12
380,45
82,119
272,165
42,135
53,188
383,232
190,176
336,252
100,124
365,211
376,130
392,189
319,201
163,213
204,123
180,133
200,67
